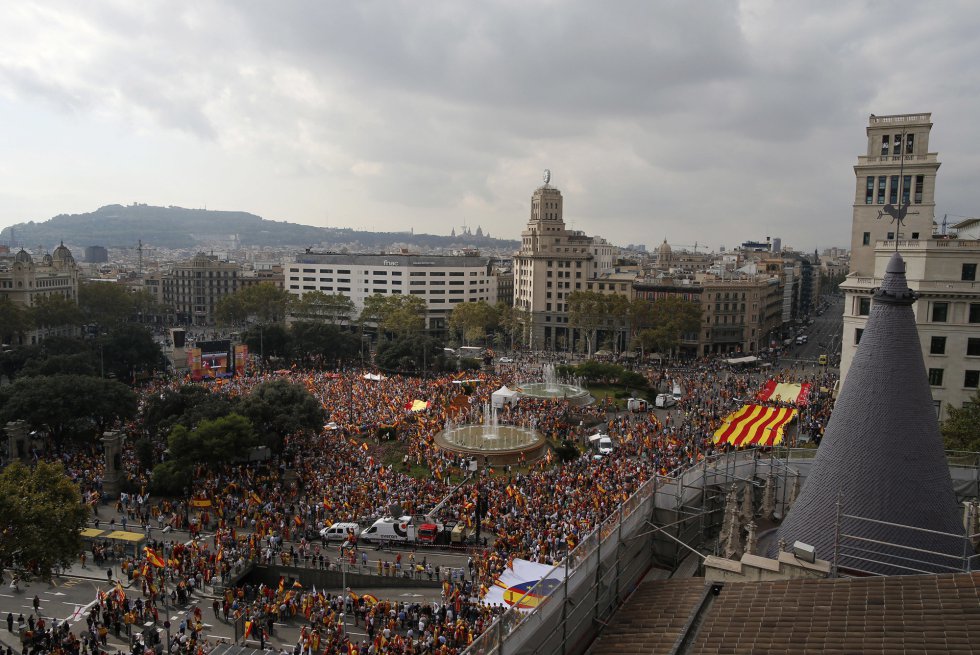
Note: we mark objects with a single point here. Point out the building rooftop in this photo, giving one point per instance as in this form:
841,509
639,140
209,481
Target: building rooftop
882,455
899,614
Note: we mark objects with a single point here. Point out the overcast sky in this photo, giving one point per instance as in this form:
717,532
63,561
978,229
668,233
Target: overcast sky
700,121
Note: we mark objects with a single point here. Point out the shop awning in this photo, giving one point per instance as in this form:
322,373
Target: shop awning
91,533
755,425
786,392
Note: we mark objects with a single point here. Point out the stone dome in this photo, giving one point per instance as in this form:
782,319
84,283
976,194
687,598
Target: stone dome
47,260
664,252
62,254
23,257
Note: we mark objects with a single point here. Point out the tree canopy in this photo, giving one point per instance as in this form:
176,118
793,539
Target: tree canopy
41,515
472,320
319,307
398,315
67,405
660,324
263,303
279,408
128,351
14,321
961,429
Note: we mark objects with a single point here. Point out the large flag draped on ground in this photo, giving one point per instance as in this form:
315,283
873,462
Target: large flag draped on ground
524,584
786,392
754,425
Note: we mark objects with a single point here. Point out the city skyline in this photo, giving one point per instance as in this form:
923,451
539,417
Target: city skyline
698,125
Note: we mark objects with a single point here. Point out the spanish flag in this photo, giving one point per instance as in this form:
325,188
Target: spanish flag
255,498
153,558
298,520
282,583
248,629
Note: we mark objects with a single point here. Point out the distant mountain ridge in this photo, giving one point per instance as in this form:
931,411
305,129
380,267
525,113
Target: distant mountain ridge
181,228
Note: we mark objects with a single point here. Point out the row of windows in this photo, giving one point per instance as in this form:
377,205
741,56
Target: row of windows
940,312
937,346
971,379
897,147
876,193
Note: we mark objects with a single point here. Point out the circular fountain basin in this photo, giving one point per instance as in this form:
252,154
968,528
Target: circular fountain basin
502,444
575,395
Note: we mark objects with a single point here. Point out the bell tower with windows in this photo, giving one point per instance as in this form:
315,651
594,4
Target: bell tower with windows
897,175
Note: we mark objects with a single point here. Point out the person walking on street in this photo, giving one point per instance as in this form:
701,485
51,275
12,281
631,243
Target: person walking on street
37,605
10,622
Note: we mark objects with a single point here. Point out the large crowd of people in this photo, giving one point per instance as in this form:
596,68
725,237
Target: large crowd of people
349,472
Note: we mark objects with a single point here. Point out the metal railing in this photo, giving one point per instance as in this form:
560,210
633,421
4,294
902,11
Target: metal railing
857,554
684,507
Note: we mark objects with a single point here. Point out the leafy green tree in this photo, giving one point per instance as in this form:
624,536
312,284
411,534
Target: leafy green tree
398,315
263,303
129,351
105,303
316,306
83,363
664,321
41,515
13,362
415,352
279,408
961,429
67,405
325,343
55,311
212,442
231,310
587,311
164,410
15,321
472,320
270,340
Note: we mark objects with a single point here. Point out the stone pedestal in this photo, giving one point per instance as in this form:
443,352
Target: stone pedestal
18,440
112,480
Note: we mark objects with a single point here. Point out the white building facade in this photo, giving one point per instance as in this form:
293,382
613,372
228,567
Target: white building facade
442,281
552,263
943,273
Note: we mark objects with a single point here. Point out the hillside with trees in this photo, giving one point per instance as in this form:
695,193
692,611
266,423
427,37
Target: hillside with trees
178,227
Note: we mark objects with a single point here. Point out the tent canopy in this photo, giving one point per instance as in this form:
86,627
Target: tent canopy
742,361
754,425
504,396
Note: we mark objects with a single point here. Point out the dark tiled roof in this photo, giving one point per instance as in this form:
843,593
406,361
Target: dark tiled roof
892,614
652,619
882,451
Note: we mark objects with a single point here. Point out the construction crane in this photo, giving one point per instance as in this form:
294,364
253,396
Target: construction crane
686,245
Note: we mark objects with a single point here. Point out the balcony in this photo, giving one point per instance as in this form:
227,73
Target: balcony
928,158
898,119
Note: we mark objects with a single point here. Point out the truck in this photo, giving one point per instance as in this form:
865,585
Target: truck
602,444
401,530
637,405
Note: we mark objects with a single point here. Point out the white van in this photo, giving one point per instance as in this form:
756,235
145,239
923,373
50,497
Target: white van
602,443
340,531
636,405
677,392
390,529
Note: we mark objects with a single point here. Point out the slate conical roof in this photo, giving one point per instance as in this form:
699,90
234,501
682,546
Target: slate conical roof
881,453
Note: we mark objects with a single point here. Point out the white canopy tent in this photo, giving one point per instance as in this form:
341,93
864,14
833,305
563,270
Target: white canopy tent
504,396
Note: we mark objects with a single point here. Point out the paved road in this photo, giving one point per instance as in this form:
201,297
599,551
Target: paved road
824,335
70,596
